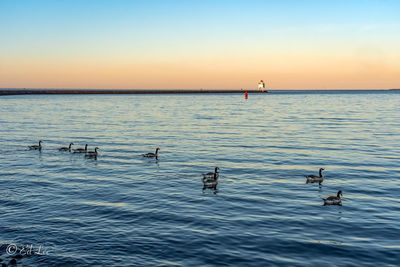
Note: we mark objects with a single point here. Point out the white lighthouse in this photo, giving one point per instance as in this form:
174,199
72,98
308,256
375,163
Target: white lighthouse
261,85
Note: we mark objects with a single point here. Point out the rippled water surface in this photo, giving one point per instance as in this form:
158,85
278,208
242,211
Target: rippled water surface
125,210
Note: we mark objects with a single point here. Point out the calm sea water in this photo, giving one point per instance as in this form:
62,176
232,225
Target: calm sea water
124,210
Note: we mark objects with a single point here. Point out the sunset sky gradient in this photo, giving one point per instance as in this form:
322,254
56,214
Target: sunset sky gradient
167,44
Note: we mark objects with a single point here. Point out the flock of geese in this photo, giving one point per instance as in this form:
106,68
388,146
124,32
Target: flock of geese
88,154
210,179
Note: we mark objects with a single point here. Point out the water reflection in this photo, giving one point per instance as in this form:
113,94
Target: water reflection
338,243
212,186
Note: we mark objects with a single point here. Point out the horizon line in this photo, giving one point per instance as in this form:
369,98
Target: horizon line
199,89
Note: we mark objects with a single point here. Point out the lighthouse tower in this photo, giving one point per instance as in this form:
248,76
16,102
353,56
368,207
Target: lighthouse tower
261,86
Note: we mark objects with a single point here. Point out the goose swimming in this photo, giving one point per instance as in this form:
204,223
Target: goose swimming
210,179
81,150
36,147
66,148
211,175
334,200
152,155
91,154
315,179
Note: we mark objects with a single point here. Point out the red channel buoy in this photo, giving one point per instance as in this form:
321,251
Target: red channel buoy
245,95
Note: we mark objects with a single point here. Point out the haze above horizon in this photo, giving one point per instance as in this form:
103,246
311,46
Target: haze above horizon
199,44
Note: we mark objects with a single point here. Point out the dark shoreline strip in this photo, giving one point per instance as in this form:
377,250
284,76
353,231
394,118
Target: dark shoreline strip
94,91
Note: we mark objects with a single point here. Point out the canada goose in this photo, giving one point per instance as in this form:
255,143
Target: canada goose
91,154
210,179
211,175
36,147
334,200
315,179
66,148
81,150
152,155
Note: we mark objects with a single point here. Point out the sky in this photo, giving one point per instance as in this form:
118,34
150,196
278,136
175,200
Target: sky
210,44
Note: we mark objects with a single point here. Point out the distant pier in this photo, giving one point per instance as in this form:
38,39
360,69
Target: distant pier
120,91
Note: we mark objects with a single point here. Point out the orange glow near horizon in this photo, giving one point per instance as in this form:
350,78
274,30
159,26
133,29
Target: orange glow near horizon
283,72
